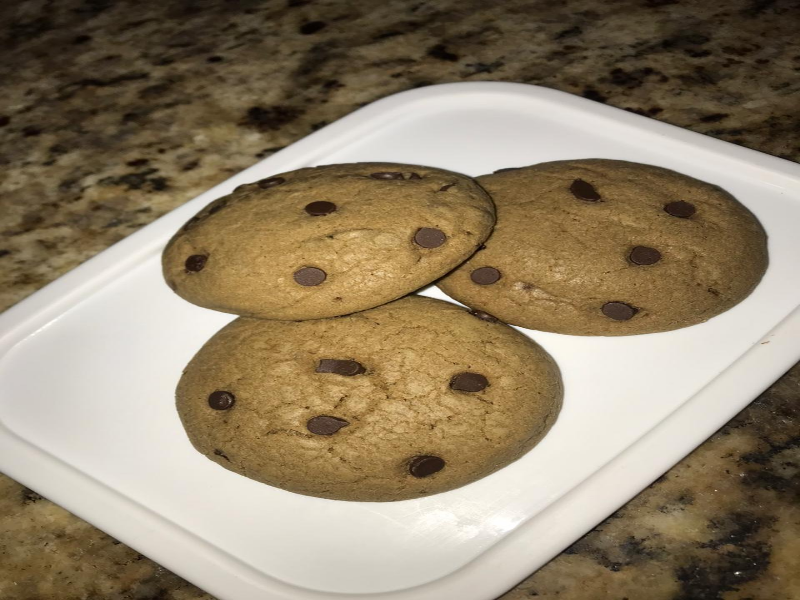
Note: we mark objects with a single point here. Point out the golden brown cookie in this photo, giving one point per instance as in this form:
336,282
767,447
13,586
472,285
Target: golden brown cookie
327,241
409,399
605,247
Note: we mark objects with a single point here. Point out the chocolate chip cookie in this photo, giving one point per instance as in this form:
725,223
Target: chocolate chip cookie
409,399
605,247
327,241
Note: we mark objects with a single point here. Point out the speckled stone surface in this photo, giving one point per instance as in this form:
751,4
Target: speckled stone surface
113,113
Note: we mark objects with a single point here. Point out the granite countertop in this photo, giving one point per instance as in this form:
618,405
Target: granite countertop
114,113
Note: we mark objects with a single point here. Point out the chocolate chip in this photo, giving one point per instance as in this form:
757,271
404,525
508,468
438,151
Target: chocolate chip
429,237
643,255
218,452
270,182
387,175
324,425
423,466
320,208
485,275
309,276
619,311
468,382
188,225
218,207
444,188
484,316
507,169
221,400
340,367
196,262
414,176
583,190
680,209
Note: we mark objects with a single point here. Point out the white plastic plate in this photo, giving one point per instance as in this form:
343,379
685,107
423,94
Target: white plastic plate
88,366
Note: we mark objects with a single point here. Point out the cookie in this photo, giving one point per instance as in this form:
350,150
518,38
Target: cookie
327,241
409,399
605,247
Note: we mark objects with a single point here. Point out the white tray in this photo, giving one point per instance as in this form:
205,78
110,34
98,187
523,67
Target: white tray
88,366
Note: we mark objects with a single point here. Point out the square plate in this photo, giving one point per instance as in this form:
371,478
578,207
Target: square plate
89,364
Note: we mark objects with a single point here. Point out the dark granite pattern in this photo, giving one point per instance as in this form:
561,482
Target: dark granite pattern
113,113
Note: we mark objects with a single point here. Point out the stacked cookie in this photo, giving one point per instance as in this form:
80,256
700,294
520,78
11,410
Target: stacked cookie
606,247
335,383
328,241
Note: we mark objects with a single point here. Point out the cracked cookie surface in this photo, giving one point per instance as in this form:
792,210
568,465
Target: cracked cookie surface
327,241
604,247
409,399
